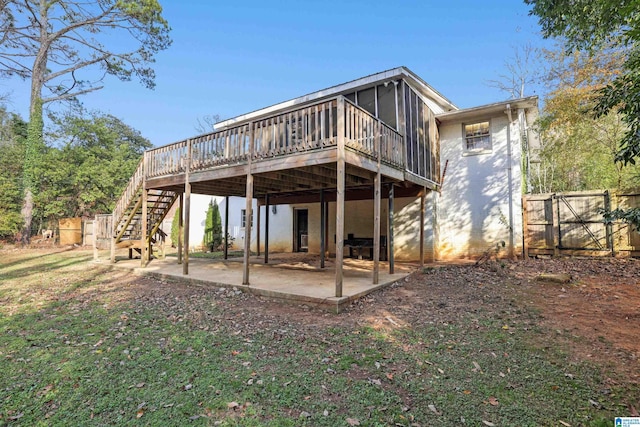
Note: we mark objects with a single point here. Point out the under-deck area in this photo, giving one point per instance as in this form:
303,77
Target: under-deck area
293,278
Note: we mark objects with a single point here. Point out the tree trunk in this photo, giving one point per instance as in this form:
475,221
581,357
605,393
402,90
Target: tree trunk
33,154
35,142
27,215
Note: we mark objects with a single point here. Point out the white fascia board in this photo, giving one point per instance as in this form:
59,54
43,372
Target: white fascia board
434,99
394,73
527,103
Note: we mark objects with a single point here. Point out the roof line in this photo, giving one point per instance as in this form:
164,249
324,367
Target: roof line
528,101
336,89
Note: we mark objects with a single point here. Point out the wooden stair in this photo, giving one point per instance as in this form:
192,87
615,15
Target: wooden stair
128,214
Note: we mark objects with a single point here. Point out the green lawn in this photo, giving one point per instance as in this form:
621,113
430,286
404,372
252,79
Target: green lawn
81,344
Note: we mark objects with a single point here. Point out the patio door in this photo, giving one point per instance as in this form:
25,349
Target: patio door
301,230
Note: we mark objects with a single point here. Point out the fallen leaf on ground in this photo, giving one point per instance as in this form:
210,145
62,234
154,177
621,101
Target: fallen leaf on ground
232,405
477,367
353,422
488,423
434,410
564,424
140,413
493,401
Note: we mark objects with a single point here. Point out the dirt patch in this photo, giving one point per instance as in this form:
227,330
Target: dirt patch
598,313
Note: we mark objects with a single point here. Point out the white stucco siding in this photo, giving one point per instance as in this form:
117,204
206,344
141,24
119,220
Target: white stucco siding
279,225
407,229
473,209
280,229
197,218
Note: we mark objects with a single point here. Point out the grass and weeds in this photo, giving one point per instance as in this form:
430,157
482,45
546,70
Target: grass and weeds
81,344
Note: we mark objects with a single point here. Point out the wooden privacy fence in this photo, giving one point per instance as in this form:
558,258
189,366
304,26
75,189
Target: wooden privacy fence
103,230
573,224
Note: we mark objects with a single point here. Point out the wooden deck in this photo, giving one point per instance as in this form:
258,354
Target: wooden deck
293,152
331,150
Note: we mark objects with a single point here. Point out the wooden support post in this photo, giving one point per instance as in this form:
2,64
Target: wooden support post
390,243
144,251
266,229
113,247
555,224
95,240
609,226
180,226
525,227
226,227
376,227
326,227
187,211
258,231
248,214
423,195
341,173
323,243
376,209
247,229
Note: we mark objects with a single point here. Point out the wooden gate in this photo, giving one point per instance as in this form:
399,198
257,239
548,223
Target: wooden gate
572,223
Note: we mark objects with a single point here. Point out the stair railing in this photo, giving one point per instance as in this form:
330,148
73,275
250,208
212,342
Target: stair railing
128,195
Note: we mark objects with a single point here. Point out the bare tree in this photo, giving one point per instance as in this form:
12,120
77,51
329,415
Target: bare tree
66,48
520,71
206,124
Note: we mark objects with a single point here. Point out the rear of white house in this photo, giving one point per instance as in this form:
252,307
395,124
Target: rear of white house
476,162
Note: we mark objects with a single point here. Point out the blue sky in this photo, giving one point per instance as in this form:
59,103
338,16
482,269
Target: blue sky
229,58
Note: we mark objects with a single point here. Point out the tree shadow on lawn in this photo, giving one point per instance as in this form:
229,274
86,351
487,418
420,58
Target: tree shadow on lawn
40,267
24,259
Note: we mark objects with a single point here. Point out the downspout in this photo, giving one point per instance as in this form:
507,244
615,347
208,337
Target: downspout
510,182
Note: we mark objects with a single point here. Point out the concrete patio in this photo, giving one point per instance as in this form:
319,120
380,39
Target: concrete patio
294,278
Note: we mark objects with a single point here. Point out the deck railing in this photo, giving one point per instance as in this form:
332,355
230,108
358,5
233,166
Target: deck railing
362,129
166,160
129,193
299,130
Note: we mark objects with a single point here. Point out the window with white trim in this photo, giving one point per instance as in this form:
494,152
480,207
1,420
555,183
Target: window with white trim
477,137
243,218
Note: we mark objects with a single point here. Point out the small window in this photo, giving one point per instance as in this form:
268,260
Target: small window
243,218
477,137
